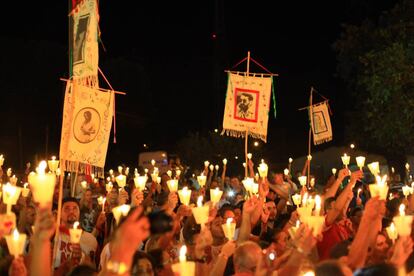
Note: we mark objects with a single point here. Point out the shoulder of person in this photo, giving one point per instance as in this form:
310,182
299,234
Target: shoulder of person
89,239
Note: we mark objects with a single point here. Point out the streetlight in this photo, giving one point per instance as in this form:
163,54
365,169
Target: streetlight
256,144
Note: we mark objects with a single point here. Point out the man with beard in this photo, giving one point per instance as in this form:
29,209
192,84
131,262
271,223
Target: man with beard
244,103
70,255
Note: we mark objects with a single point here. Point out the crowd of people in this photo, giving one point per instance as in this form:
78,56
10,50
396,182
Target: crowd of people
271,236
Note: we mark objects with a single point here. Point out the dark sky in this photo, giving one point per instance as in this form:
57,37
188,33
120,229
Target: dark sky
170,57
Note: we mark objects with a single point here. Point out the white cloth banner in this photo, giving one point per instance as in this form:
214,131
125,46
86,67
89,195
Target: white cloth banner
247,106
85,51
321,123
86,126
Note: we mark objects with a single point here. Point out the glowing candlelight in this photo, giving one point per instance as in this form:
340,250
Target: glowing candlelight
145,170
109,187
120,169
286,172
302,180
169,173
84,184
185,195
248,184
211,167
345,160
101,201
140,182
312,182
360,162
206,163
333,171
53,164
75,233
16,243
1,160
183,267
215,195
290,160
374,168
249,156
127,171
201,212
263,169
178,173
316,224
244,164
111,171
120,211
158,179
309,157
216,167
392,170
297,198
201,179
229,228
380,188
359,192
10,195
406,190
25,190
153,162
9,172
255,188
392,232
407,166
121,180
403,222
172,185
317,205
224,161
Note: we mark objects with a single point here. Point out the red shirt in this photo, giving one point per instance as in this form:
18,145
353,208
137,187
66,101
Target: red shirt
332,235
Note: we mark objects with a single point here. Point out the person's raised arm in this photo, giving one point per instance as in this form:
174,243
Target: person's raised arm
220,265
246,227
223,175
331,192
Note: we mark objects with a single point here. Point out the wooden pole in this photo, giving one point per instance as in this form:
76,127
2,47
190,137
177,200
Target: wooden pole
247,130
310,138
58,216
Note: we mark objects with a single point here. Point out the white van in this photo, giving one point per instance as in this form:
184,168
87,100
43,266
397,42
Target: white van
160,157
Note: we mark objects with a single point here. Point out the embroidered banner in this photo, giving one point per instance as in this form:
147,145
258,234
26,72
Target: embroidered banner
86,126
84,50
321,123
247,106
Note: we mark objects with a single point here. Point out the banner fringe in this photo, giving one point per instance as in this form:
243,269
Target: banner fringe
242,134
78,167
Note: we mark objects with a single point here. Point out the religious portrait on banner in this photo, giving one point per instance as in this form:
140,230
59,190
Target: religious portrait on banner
246,105
86,125
80,39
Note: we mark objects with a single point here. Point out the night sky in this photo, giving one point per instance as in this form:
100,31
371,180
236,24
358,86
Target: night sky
170,57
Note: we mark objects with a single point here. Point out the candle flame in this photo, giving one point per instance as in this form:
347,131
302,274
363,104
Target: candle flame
249,156
25,185
183,252
42,167
200,201
290,160
224,161
76,225
392,227
402,210
53,158
297,223
16,235
318,201
229,221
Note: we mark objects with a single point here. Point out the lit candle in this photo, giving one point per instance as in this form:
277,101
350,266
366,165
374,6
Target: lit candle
158,179
407,167
53,164
10,195
75,233
256,177
317,205
249,156
290,160
145,170
345,160
216,167
25,190
359,192
392,170
333,171
406,190
140,182
201,179
121,180
120,211
109,187
215,195
312,182
248,184
309,157
9,172
392,232
172,185
178,173
169,173
263,169
84,184
153,162
255,188
16,243
120,169
111,171
374,168
206,163
403,222
380,188
201,212
13,180
101,201
127,171
185,195
1,160
211,167
183,267
286,172
297,198
244,164
302,180
229,228
360,162
224,161
316,224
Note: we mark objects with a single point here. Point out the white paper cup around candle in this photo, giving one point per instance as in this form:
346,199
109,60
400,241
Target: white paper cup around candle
75,233
172,185
249,156
215,195
248,184
380,188
406,190
360,161
109,187
216,167
121,180
297,198
316,224
185,195
201,179
392,232
229,228
263,169
333,171
140,182
53,164
10,195
224,161
201,212
302,180
183,267
403,222
374,168
16,243
120,211
211,167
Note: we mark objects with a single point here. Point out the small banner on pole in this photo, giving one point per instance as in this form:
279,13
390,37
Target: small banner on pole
247,106
86,126
320,123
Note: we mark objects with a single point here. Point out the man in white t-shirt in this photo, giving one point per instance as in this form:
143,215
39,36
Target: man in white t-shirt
70,254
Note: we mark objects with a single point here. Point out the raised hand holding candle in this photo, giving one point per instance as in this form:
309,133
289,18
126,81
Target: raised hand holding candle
75,233
211,167
333,171
216,167
25,190
169,173
403,222
183,267
406,190
120,211
392,232
224,161
201,212
140,182
53,164
101,201
184,195
215,195
380,188
286,172
297,198
206,163
109,187
345,160
374,168
201,179
172,185
84,185
249,156
302,180
360,162
229,228
10,195
263,169
16,243
121,180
